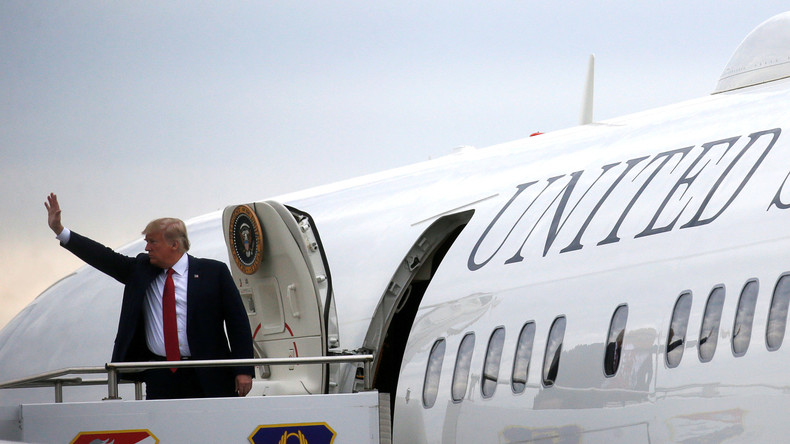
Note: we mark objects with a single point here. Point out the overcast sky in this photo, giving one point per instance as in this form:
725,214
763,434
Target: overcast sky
135,110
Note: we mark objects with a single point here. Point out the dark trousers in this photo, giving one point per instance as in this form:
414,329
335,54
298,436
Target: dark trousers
161,383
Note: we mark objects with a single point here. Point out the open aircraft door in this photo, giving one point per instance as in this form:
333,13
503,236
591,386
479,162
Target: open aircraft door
281,272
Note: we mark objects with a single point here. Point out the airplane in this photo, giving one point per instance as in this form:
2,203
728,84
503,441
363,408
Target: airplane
626,280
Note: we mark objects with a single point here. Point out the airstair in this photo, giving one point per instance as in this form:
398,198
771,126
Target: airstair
361,417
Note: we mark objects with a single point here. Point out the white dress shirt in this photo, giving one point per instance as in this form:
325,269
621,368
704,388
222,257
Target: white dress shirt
154,330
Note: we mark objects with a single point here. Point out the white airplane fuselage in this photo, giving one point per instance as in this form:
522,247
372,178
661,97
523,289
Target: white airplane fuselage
687,200
595,218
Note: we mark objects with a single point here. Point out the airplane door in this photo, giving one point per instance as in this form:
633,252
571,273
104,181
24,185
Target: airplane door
391,323
280,270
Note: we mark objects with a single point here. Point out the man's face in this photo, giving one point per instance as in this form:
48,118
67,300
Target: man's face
163,253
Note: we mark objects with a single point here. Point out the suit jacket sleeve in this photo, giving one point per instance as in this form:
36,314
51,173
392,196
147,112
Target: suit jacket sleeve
102,258
237,323
135,274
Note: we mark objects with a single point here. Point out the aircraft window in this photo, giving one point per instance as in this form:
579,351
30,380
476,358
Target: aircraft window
677,329
523,357
614,342
551,360
463,362
709,332
777,316
742,331
493,359
432,372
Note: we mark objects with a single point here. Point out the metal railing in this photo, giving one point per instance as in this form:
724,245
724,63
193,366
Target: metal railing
115,369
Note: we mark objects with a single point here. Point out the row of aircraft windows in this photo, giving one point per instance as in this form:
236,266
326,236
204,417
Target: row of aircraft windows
742,326
706,346
521,361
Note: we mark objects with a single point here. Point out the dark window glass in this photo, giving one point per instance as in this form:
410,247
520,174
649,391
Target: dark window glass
709,331
614,341
462,363
744,318
777,316
491,365
432,372
677,329
551,360
523,356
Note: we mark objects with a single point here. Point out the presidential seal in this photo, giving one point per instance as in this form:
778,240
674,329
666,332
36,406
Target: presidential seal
246,239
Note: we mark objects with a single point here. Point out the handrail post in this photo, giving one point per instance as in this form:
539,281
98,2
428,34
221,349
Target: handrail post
138,390
368,380
58,391
112,383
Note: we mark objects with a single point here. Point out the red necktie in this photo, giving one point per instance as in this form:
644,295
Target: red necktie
170,326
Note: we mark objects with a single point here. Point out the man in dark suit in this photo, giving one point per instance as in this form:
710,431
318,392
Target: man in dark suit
175,306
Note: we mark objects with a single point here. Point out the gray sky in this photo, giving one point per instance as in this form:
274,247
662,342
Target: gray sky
131,111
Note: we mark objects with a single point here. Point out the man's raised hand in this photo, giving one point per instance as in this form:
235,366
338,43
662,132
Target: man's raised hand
53,210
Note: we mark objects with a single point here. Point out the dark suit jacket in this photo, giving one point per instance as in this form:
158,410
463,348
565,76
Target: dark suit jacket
213,304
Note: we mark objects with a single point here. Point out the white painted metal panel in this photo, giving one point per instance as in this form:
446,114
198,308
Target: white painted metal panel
353,417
